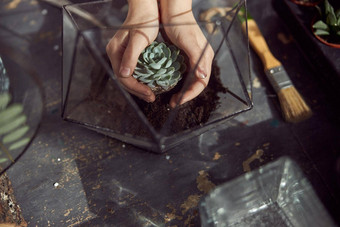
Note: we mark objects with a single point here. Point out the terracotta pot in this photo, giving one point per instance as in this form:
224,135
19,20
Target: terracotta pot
335,45
309,4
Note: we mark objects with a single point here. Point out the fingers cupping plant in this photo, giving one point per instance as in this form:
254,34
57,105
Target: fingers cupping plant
12,127
329,24
160,67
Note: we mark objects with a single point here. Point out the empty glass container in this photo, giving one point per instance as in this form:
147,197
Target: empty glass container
277,194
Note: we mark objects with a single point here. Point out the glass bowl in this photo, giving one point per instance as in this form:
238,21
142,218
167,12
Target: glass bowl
18,131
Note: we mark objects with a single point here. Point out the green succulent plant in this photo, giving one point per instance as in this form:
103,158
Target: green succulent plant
329,24
12,127
160,66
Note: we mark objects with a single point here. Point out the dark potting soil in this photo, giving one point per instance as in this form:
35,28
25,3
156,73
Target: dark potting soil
104,103
190,114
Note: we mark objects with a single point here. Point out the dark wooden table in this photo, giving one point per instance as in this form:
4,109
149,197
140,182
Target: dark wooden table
72,176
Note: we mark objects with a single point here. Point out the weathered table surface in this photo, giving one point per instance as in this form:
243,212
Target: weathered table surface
72,176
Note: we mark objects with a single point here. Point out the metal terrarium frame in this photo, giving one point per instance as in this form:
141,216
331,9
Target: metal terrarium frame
87,28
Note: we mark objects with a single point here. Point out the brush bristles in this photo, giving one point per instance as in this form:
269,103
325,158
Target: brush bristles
294,108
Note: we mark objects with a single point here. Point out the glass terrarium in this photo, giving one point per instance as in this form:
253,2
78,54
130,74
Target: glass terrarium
277,194
92,95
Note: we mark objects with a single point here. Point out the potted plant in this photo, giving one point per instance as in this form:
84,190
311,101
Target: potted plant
326,27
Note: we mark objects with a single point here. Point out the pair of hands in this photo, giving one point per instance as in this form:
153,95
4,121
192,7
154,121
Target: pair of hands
125,47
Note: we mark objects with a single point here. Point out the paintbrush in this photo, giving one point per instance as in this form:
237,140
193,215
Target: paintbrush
294,108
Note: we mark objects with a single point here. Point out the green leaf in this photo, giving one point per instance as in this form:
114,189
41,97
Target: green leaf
167,52
176,75
160,72
15,135
164,83
146,79
138,73
162,46
183,68
19,144
321,32
172,48
174,55
162,61
320,25
157,50
5,98
10,112
331,19
146,56
2,160
168,63
319,10
13,124
180,59
328,7
170,71
176,65
151,85
155,65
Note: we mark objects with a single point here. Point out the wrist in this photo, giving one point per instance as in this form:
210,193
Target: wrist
139,6
172,8
142,9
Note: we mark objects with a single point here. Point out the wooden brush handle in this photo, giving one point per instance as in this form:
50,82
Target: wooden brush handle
260,46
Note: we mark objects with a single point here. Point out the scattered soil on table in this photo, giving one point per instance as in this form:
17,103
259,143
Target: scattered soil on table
10,211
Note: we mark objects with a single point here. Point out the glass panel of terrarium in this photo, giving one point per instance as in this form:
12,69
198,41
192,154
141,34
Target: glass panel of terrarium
69,41
233,100
238,41
202,5
93,14
225,11
96,101
229,93
234,52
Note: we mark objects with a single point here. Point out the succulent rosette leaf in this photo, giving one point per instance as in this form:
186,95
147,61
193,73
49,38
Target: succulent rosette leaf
160,67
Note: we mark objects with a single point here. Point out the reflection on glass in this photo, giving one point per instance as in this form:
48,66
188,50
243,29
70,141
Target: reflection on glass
277,194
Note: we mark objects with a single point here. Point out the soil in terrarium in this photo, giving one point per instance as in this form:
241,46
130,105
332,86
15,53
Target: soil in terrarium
102,105
190,114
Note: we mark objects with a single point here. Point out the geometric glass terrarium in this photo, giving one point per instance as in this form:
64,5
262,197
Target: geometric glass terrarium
92,95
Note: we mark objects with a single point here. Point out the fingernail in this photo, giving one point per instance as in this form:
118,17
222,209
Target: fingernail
202,75
124,72
149,99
